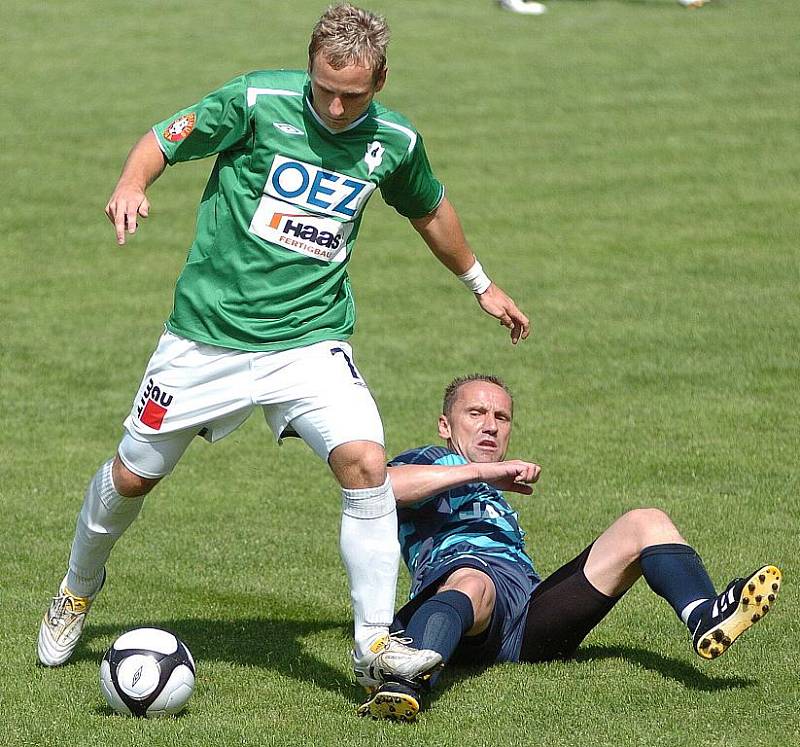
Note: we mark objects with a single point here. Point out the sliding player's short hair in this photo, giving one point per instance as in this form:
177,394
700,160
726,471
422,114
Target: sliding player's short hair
451,393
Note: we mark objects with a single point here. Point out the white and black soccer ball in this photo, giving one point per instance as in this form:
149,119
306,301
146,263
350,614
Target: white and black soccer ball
147,672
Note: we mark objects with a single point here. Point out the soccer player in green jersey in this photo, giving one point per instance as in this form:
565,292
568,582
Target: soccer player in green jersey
263,308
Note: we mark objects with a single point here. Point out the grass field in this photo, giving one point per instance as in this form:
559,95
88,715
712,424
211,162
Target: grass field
627,170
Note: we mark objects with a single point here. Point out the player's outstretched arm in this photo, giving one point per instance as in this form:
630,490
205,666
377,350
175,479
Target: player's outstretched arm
145,163
497,303
412,483
443,234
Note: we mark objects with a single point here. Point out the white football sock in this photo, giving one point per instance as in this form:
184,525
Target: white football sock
371,555
104,516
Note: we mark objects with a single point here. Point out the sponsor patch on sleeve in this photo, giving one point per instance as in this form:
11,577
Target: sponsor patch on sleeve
180,128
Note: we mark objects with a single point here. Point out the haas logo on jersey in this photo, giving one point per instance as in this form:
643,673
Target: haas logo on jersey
313,235
293,225
153,405
180,127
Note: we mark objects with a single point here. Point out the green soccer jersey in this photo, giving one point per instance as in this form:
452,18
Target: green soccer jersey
282,208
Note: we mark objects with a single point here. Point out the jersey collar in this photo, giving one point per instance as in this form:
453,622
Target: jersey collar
325,127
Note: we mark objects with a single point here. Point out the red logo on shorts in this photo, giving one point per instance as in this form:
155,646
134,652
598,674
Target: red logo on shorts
153,415
153,406
180,127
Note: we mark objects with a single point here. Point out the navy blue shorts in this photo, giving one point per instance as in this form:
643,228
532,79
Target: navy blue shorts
533,621
514,584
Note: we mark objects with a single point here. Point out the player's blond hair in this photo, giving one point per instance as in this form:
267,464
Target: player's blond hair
347,35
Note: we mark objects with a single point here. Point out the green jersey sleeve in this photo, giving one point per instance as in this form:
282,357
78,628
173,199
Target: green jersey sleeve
412,189
218,122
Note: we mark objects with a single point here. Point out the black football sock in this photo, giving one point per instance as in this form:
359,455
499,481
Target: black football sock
676,573
440,623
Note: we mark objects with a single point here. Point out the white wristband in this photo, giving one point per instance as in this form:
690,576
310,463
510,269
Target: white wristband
475,278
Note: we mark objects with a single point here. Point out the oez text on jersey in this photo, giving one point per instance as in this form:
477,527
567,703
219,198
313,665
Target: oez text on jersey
316,189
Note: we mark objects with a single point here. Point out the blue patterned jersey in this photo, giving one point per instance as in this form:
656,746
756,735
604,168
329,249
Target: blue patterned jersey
471,519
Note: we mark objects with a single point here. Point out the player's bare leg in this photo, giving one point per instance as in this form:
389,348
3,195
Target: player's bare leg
613,563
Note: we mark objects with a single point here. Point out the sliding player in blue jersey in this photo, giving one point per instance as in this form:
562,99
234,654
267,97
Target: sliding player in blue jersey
475,595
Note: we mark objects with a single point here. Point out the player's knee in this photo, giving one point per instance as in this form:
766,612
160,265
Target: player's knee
644,518
483,611
359,464
128,484
481,591
647,526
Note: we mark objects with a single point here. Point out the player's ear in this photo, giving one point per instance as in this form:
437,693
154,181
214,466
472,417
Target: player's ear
444,427
381,80
311,63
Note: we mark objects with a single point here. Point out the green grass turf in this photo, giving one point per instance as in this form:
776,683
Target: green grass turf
626,170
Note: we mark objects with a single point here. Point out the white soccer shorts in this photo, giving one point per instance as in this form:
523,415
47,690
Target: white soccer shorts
190,388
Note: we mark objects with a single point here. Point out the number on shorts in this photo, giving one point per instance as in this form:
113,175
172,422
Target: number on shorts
350,363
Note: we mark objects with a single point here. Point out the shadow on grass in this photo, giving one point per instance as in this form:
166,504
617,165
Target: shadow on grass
108,712
274,644
673,669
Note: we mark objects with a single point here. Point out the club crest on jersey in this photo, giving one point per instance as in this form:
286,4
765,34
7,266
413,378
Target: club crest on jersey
153,405
180,128
313,235
374,156
287,128
318,190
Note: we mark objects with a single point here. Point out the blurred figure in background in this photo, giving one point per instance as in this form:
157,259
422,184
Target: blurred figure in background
532,8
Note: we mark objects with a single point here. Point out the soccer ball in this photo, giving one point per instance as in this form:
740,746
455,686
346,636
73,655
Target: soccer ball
147,672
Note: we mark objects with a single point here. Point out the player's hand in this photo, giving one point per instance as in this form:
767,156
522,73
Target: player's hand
126,205
495,302
513,475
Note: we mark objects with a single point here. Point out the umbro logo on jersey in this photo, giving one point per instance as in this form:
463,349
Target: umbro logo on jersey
288,129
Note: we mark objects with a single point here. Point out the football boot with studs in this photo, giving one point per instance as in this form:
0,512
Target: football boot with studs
392,701
739,607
